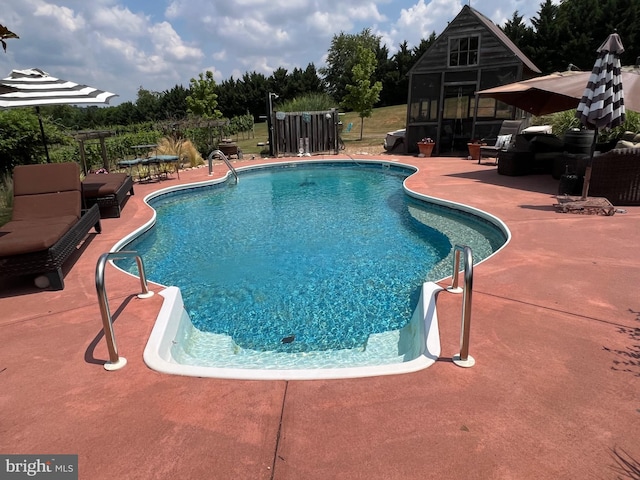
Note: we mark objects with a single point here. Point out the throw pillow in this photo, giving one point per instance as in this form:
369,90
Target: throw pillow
503,141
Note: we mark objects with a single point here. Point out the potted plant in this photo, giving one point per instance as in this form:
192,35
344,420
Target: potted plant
425,146
474,149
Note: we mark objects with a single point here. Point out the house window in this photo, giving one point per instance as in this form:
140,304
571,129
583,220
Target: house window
491,108
424,97
463,51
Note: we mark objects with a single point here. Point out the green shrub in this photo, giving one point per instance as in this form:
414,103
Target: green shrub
314,102
560,122
563,121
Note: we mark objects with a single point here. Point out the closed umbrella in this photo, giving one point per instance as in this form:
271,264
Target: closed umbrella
34,87
602,103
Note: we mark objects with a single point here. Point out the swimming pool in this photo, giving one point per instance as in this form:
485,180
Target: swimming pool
288,277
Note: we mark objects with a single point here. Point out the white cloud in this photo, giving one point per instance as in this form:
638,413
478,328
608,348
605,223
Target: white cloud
64,16
119,19
220,55
165,39
368,12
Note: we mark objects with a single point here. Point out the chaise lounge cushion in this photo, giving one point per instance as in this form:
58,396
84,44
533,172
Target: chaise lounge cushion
47,205
27,236
52,177
54,192
97,185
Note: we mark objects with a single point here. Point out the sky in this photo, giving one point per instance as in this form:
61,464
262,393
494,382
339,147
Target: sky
123,45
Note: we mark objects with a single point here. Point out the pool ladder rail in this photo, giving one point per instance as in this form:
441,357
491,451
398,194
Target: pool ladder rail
115,362
463,359
225,159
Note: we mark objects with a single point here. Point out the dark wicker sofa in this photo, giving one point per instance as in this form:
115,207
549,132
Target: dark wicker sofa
108,191
47,222
615,175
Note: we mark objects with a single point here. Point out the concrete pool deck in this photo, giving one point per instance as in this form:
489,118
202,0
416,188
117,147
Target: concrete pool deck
555,392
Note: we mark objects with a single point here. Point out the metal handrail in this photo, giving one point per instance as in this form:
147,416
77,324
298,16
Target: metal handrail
225,159
115,361
463,359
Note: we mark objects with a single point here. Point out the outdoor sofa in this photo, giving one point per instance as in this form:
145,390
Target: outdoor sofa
47,222
615,175
107,190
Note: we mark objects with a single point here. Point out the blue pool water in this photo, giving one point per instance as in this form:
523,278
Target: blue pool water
311,258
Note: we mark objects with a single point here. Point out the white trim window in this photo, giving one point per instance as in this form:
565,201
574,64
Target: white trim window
463,51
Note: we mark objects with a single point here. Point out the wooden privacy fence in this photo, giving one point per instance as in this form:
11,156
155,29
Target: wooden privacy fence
302,133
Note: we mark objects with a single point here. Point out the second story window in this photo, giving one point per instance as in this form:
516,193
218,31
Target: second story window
463,51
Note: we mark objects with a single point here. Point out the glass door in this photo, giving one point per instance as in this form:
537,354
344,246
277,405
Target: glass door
457,118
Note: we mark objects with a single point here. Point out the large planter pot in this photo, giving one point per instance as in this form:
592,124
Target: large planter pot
474,151
425,148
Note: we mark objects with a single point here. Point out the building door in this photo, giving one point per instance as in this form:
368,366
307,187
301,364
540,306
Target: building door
457,118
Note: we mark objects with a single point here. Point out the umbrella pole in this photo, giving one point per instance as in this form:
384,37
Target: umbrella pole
44,138
587,171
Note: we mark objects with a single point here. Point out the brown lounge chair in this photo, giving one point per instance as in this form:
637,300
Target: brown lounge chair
108,191
47,222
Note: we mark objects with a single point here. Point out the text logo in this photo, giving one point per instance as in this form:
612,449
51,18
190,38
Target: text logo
48,467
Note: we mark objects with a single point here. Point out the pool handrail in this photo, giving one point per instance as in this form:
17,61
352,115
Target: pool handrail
225,159
463,359
115,362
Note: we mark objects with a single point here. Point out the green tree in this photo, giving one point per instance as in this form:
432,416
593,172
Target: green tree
342,57
519,33
362,94
622,16
254,88
203,100
395,85
280,82
424,45
545,48
311,82
172,104
148,104
580,32
230,101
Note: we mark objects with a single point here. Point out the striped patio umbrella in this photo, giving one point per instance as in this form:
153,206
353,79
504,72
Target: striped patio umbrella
34,87
602,103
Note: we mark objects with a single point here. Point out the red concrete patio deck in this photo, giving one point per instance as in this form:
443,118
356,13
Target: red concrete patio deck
555,392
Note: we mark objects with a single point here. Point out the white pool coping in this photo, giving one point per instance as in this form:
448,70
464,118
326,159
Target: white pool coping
157,354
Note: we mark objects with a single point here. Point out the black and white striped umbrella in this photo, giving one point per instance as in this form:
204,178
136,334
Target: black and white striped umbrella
602,103
34,87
